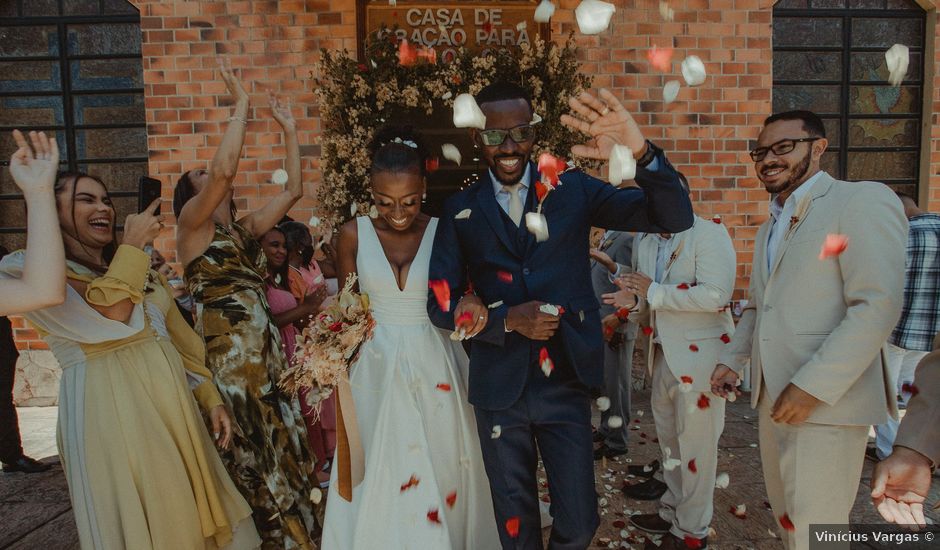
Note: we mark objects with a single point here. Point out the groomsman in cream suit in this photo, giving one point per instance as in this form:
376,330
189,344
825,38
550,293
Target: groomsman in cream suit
684,282
820,311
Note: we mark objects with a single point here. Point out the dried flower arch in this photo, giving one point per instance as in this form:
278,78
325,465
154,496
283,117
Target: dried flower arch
356,98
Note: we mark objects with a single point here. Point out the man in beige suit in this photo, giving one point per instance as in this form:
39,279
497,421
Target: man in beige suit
815,325
901,482
684,282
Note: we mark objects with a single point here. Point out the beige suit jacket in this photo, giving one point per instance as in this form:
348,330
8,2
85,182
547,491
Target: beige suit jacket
822,324
690,321
920,429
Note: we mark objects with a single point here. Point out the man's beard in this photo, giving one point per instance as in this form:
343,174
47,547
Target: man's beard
797,176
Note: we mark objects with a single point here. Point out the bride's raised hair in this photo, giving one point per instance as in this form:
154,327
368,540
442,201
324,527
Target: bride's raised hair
398,149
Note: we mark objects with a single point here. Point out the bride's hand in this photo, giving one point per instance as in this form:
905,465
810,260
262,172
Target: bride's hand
473,305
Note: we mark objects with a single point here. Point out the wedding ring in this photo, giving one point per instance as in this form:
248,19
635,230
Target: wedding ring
481,317
605,111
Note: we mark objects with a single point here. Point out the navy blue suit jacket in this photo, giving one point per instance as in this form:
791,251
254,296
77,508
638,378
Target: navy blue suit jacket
556,271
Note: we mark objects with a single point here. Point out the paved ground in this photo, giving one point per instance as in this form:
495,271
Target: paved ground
35,511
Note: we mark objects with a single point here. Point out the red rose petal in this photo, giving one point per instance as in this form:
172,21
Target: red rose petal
693,347
550,167
512,526
909,388
619,524
441,290
451,499
443,386
660,58
725,338
716,219
412,482
692,543
434,516
685,379
692,467
541,190
336,327
623,314
608,331
431,164
642,435
703,401
683,286
465,319
362,67
504,276
834,245
647,331
407,54
548,366
786,523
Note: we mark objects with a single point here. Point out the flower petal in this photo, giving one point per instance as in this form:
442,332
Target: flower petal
703,402
451,499
693,70
443,386
463,214
834,245
593,16
660,58
603,403
545,362
451,153
544,12
441,290
467,113
512,526
786,523
434,516
692,467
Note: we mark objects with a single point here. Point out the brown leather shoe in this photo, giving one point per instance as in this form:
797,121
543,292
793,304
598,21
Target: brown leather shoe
672,542
651,523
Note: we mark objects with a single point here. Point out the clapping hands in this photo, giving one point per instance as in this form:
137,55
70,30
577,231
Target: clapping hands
35,163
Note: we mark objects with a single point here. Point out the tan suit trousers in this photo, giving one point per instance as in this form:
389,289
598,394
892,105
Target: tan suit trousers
811,471
689,433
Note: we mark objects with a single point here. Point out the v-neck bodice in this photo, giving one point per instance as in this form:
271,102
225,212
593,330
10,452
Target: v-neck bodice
391,304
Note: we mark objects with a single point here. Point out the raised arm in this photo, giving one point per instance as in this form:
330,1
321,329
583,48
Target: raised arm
263,219
43,281
198,211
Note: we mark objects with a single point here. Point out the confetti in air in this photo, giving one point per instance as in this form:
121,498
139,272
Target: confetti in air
614,422
545,362
536,223
897,58
545,11
622,165
660,58
834,245
496,432
441,289
671,91
467,113
722,480
450,152
603,403
594,16
279,177
549,167
667,13
693,70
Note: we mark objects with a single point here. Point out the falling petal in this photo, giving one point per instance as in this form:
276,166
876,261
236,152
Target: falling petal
732,397
667,13
536,223
786,523
897,58
496,432
603,403
544,12
739,511
467,113
434,516
314,221
451,153
451,499
352,209
693,70
495,305
623,314
429,54
647,331
692,543
504,277
722,480
407,54
549,167
521,26
834,245
512,526
716,219
909,388
373,212
693,348
725,339
660,58
614,422
279,177
441,290
593,16
412,482
692,467
541,190
671,91
465,318
431,164
622,165
703,402
683,286
463,214
316,495
545,362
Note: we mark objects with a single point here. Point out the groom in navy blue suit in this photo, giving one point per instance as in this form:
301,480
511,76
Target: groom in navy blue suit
482,244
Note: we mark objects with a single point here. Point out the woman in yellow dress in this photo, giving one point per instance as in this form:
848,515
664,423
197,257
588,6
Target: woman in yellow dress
141,467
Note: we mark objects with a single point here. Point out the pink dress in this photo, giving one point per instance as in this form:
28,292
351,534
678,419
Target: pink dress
321,435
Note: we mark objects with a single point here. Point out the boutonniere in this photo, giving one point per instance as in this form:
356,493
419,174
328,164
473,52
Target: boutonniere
549,168
675,254
800,213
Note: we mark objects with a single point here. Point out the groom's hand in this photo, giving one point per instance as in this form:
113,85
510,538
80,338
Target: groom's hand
472,304
527,320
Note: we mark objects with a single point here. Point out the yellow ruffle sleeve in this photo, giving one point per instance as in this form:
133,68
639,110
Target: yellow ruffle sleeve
124,280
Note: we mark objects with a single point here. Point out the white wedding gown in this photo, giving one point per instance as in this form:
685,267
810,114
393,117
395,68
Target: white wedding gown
409,386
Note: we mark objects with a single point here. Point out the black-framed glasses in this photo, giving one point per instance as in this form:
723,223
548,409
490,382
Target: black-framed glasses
519,134
779,148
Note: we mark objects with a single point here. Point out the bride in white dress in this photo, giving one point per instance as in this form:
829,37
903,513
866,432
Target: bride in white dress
424,486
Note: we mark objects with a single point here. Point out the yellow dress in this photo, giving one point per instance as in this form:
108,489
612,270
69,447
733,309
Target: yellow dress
142,470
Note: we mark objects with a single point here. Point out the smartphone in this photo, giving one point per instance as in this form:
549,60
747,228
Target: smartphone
147,192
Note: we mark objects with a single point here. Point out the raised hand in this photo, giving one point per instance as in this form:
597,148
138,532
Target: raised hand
281,113
34,168
607,122
234,86
141,229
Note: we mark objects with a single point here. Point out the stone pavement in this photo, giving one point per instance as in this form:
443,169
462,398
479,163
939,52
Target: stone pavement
35,511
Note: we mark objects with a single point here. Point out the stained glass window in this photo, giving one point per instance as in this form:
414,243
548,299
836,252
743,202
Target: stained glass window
829,58
73,68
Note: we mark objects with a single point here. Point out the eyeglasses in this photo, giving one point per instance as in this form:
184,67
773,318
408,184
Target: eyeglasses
519,134
779,148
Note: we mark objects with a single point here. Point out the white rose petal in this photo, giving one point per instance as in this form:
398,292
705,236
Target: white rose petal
463,214
447,95
671,91
622,165
316,495
467,113
497,431
603,403
536,223
521,26
667,13
451,152
352,209
614,422
732,397
544,12
594,16
550,309
279,177
722,480
373,212
897,58
685,387
314,221
495,305
670,463
693,70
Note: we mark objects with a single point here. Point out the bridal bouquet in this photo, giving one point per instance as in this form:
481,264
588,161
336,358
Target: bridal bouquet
330,344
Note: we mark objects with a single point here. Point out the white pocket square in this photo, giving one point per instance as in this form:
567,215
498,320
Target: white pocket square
463,214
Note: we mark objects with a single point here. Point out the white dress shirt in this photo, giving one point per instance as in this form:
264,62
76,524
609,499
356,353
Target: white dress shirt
785,212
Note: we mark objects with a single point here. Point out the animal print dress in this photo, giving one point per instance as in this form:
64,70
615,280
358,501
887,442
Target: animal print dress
270,461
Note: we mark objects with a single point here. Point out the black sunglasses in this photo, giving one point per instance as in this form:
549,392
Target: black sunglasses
781,147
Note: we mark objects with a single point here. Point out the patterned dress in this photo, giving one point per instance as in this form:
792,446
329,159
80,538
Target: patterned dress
270,462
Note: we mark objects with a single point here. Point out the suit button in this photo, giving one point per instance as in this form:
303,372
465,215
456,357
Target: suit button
525,271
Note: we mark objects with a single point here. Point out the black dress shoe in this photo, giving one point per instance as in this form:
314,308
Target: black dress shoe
651,523
672,542
606,452
646,470
26,465
651,489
